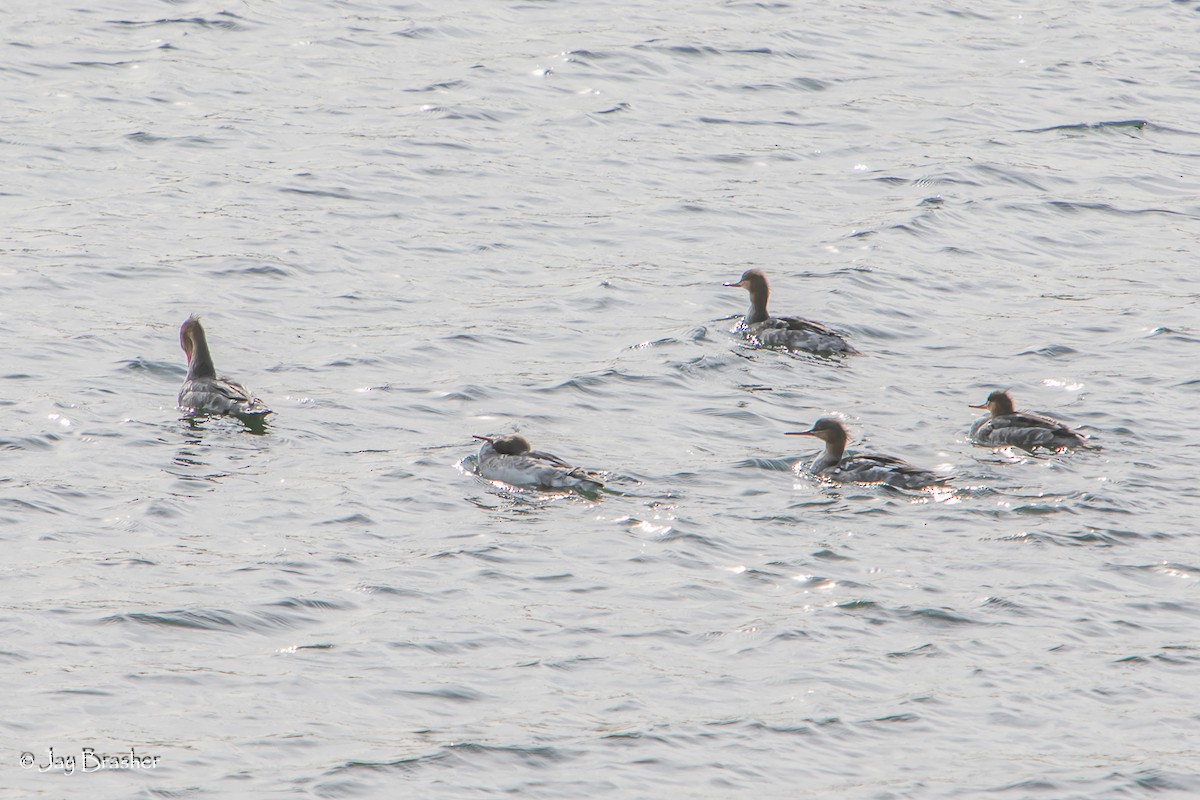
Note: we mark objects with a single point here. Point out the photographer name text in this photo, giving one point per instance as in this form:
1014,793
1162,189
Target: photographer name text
87,760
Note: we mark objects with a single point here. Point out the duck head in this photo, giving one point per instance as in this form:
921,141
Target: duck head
998,403
828,429
195,347
510,444
754,281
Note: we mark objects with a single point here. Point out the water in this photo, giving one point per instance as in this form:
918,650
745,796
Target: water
408,224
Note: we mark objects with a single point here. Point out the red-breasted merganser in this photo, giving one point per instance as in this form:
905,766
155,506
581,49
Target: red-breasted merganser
1023,429
794,333
870,468
205,393
511,460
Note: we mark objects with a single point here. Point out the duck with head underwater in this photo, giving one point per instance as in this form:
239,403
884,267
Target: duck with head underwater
863,468
510,459
1004,426
793,333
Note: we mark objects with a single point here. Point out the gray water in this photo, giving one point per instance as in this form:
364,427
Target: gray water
405,224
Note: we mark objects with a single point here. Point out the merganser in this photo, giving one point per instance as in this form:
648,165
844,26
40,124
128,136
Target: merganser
205,393
510,459
870,468
794,333
1024,429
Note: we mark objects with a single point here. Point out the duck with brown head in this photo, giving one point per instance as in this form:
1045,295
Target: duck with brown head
1005,426
868,468
510,459
204,392
793,333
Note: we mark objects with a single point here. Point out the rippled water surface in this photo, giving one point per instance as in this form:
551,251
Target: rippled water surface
405,224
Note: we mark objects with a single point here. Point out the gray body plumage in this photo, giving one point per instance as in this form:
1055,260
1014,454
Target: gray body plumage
796,333
220,396
873,468
1025,430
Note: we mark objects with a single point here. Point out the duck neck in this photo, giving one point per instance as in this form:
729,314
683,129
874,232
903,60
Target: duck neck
200,365
758,304
834,448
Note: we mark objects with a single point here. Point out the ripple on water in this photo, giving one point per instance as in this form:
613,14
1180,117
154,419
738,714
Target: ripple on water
163,369
1110,784
43,441
466,756
1123,125
453,694
224,21
1168,656
224,620
1090,537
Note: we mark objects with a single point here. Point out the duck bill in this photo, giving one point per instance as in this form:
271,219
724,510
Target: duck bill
483,438
982,406
738,284
809,432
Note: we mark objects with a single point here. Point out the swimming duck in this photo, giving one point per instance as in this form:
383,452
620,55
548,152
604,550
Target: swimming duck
794,333
1024,429
205,393
510,459
870,468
